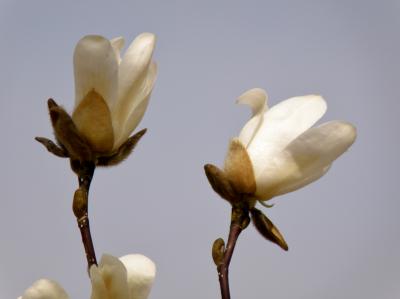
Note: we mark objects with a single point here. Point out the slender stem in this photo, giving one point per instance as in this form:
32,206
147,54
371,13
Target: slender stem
84,227
223,268
85,174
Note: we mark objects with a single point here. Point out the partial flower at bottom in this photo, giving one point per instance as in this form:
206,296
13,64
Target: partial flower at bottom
129,277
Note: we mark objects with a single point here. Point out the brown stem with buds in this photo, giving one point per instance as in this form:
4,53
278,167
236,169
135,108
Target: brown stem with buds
85,171
239,221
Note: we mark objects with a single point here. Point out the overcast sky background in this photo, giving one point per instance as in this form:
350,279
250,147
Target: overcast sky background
343,231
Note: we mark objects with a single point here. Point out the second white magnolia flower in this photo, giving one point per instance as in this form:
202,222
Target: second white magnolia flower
277,151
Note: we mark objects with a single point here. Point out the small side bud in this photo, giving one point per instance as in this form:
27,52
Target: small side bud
123,151
267,229
80,203
218,251
220,183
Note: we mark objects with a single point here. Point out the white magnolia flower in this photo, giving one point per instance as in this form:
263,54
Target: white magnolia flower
277,151
111,93
129,277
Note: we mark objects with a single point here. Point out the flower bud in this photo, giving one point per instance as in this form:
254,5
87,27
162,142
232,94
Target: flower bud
80,203
218,250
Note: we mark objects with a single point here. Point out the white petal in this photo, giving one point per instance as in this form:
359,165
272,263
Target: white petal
305,159
109,279
45,289
117,44
99,290
133,69
281,125
257,99
137,107
141,273
95,67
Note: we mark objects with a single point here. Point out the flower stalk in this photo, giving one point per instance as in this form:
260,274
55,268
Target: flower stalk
223,268
85,173
222,254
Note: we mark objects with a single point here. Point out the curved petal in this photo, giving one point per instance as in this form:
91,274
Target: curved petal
282,124
141,273
132,72
257,99
95,67
109,279
117,44
140,98
45,289
305,159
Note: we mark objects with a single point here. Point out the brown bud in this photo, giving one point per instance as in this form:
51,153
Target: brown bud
220,183
80,203
218,251
267,229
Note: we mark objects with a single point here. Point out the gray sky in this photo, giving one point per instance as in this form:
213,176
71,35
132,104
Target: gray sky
343,231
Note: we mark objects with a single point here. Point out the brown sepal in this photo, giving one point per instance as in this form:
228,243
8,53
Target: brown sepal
220,183
52,147
67,134
239,169
123,151
266,228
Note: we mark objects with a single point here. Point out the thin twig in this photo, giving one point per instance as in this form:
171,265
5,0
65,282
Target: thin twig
223,268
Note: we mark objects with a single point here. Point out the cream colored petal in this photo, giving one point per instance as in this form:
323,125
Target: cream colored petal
109,279
92,118
140,98
307,179
141,273
117,44
305,159
283,123
132,122
133,69
135,61
257,99
99,290
95,67
45,289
